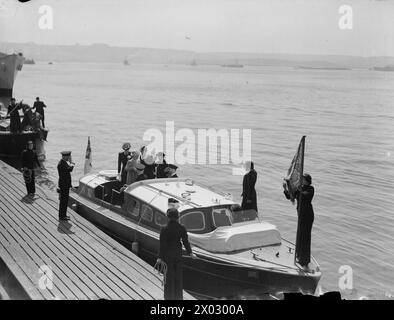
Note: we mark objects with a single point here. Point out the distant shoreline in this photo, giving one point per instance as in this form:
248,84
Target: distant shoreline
102,53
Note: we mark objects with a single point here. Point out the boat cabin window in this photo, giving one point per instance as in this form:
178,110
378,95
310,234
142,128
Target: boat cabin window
147,213
244,215
226,217
193,221
221,217
160,219
133,207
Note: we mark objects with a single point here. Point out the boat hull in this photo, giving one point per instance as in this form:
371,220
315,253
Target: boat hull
9,67
206,276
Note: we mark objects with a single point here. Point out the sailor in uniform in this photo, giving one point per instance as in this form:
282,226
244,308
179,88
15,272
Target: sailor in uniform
29,158
249,197
123,157
15,120
64,169
39,106
306,216
170,252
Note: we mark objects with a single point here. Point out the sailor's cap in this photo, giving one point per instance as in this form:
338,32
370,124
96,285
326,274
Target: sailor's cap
65,153
126,146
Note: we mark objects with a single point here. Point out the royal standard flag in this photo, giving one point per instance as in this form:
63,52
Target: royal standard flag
296,170
88,158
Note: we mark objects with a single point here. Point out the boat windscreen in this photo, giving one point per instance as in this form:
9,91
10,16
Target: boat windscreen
226,217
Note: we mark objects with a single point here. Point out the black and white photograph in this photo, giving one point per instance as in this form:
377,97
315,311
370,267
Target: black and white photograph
197,150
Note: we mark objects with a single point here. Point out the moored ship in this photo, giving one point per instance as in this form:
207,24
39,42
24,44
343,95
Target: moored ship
13,143
10,64
237,253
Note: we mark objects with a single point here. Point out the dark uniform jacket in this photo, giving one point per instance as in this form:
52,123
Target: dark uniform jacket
160,170
64,170
307,193
149,169
122,161
15,120
170,241
249,191
39,107
29,157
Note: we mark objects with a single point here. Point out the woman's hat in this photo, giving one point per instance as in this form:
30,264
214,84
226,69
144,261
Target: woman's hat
126,146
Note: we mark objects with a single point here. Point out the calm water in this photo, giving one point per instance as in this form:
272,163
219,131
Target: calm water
348,117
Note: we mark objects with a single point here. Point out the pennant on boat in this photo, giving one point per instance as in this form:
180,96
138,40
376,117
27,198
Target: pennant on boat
88,158
295,172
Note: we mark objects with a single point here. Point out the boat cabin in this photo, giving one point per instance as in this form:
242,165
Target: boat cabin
209,216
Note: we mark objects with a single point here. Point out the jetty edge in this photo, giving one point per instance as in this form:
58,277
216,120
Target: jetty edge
81,261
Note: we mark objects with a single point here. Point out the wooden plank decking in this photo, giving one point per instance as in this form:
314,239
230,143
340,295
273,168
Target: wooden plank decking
85,262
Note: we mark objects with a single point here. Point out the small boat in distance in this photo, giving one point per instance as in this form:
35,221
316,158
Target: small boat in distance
237,253
386,68
233,65
322,68
126,62
29,61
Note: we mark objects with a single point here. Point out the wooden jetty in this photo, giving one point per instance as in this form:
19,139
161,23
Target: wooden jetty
82,261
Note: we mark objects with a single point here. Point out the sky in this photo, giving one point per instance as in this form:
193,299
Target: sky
261,26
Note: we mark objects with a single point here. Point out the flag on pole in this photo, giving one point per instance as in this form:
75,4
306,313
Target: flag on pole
296,170
88,159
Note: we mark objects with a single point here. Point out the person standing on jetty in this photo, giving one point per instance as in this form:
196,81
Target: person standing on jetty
123,157
64,169
306,216
15,119
29,158
249,196
170,252
39,106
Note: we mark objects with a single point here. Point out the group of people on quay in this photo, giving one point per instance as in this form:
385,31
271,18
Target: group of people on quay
33,117
139,165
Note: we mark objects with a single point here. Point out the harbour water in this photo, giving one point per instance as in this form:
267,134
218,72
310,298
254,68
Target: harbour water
347,116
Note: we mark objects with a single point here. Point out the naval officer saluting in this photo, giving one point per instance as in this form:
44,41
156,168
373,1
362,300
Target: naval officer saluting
64,169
